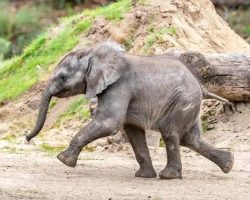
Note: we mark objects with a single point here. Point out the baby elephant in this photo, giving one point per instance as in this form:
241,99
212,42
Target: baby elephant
134,93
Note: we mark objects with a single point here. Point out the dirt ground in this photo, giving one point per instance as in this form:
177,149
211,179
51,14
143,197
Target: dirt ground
29,173
104,175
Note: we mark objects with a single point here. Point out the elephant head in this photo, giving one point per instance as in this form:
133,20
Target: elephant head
87,72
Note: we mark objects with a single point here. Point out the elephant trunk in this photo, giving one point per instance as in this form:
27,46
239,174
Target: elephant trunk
44,106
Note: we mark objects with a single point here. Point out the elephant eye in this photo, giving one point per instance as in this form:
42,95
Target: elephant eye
63,77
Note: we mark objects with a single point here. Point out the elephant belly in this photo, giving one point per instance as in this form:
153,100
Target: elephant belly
142,117
151,111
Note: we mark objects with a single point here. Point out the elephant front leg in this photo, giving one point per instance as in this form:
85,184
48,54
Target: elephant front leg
174,166
137,139
94,130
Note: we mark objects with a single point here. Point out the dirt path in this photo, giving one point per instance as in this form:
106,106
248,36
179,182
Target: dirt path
103,175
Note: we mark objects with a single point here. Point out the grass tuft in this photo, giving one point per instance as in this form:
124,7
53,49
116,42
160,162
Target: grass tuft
53,103
156,37
112,12
9,137
51,149
77,109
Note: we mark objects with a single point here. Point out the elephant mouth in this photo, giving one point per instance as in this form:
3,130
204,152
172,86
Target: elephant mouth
63,94
68,93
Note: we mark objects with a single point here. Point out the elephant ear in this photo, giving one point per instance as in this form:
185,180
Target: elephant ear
105,67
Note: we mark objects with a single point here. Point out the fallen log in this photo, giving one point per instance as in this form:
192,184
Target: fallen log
227,75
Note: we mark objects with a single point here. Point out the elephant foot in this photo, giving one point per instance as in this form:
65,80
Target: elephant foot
227,162
146,173
170,173
68,157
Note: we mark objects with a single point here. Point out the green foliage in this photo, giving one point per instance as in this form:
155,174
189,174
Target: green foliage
204,123
239,21
82,26
246,30
4,47
19,27
156,37
113,12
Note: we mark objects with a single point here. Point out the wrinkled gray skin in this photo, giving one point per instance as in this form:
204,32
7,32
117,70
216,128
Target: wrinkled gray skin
134,93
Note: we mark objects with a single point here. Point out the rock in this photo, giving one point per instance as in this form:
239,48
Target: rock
210,126
244,138
138,14
118,138
119,148
241,107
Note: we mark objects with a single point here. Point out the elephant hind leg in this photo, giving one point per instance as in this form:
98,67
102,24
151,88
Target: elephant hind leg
137,139
221,158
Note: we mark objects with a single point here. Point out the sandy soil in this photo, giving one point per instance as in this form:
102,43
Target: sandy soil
104,175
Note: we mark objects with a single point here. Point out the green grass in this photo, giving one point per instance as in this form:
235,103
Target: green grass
53,103
51,149
128,43
156,37
112,12
204,123
246,30
9,137
77,109
24,71
162,144
21,73
59,148
238,19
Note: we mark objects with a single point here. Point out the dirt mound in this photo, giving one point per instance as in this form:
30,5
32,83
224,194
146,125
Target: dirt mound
159,25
